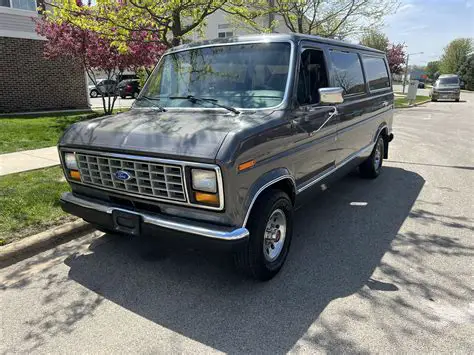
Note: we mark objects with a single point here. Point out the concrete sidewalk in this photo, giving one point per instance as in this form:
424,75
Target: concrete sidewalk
28,160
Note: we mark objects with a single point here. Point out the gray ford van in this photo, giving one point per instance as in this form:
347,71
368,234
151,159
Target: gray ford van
226,137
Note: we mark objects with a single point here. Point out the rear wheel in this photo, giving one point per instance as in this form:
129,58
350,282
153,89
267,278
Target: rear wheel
94,93
372,167
135,95
271,229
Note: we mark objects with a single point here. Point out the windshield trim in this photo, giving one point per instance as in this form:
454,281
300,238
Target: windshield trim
289,79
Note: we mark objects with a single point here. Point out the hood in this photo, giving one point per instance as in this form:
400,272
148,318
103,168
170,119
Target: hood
193,134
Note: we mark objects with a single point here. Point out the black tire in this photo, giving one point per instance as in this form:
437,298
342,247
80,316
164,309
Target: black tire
94,93
433,100
457,100
252,259
123,96
372,166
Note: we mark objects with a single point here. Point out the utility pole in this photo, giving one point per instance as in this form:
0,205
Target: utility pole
406,69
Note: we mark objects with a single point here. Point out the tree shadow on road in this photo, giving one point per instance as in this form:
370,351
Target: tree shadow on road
337,251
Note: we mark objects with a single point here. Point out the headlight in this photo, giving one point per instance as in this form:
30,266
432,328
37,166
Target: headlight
204,180
70,161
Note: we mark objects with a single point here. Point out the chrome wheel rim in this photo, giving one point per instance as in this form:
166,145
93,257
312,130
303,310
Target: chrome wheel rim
378,155
275,233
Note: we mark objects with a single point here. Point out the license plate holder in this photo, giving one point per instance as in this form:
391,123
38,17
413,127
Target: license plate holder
126,222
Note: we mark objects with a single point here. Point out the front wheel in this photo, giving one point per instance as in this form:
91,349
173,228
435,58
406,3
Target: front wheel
271,229
372,167
94,93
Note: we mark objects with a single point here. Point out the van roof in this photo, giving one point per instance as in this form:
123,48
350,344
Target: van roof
273,37
448,76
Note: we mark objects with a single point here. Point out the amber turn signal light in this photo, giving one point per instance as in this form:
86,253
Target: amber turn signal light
76,175
247,165
209,199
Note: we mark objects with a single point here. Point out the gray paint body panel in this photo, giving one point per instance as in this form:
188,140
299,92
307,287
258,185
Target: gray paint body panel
279,140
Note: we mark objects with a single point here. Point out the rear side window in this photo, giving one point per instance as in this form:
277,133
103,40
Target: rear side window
348,72
376,71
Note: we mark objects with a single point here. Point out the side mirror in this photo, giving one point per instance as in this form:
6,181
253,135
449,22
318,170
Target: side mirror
331,96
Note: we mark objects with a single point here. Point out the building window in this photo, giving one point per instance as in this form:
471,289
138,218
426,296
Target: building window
29,5
225,34
223,26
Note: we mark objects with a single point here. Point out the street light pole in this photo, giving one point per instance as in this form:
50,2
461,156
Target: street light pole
406,69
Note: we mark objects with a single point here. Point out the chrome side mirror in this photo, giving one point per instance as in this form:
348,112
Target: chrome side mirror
331,96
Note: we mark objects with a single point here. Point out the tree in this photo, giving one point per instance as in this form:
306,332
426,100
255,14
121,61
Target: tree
455,54
375,39
396,58
432,68
97,54
327,18
466,72
117,20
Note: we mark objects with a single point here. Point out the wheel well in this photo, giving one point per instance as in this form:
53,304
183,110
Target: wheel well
384,134
285,185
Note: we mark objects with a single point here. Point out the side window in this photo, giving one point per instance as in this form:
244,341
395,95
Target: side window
376,71
312,77
348,72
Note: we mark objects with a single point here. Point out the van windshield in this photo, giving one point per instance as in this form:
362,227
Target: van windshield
241,75
449,81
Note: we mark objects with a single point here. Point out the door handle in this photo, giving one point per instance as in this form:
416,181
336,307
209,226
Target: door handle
331,115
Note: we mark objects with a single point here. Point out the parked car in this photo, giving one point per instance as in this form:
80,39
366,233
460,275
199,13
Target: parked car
129,88
223,147
103,87
447,87
421,85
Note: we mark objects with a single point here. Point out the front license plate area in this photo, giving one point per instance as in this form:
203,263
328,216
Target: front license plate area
126,222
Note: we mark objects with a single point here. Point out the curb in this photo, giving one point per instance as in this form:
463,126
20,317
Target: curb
29,246
414,105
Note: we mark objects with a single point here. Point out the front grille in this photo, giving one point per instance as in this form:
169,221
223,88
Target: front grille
447,90
152,179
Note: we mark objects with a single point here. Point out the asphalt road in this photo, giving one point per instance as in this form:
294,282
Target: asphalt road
392,273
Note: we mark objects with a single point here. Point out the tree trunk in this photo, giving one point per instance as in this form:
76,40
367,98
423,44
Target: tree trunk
300,24
176,29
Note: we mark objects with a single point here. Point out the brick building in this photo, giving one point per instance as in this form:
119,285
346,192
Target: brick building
28,81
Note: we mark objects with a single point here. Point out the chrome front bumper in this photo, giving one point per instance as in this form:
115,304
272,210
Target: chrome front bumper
68,201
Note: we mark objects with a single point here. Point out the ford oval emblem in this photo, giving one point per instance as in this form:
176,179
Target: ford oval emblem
122,175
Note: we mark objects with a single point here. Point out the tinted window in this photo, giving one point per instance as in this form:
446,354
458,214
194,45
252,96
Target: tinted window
449,81
376,72
348,72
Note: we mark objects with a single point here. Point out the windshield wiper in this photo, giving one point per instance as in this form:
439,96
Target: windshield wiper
195,99
152,101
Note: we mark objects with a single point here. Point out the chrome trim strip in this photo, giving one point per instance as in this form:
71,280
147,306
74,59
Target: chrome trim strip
236,234
283,177
289,79
334,168
183,165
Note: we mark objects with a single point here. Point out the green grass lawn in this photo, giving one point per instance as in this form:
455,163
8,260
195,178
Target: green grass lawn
29,202
402,101
32,132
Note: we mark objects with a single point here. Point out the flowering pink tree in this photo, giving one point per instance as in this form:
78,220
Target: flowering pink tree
97,54
396,58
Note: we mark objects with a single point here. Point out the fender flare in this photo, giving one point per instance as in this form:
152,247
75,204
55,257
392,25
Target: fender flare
263,183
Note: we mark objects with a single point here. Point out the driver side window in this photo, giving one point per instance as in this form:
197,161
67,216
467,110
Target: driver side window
312,77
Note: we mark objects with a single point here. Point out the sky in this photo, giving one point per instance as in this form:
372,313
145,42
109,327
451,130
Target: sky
429,25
